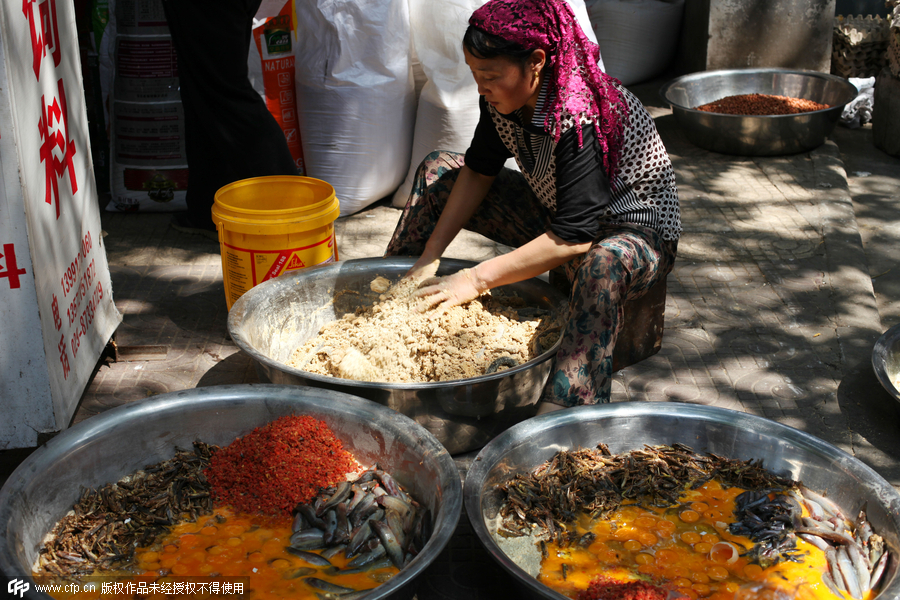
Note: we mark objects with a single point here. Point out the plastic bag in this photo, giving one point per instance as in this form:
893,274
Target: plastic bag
355,96
267,8
858,111
273,36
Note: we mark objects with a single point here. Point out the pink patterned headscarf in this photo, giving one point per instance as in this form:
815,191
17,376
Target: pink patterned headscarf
580,86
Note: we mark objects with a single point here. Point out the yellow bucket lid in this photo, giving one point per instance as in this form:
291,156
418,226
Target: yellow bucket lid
257,204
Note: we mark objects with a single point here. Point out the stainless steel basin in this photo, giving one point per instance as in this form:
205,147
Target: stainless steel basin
274,318
106,447
630,425
886,361
768,135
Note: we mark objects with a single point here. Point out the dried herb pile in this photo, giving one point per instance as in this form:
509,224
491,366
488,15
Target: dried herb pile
595,481
108,523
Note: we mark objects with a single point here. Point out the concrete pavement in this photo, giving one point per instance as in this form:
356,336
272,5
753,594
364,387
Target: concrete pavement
784,280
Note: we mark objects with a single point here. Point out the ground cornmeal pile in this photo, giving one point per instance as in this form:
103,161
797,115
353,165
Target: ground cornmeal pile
391,341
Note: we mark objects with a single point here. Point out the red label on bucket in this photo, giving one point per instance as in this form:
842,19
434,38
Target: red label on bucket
277,266
296,263
247,267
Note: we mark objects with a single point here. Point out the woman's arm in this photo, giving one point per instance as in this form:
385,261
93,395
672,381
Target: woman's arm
585,189
543,253
466,196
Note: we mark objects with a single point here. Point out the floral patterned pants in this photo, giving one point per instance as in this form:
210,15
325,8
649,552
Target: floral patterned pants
623,263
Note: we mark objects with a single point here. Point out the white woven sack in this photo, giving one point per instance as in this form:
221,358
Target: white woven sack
447,110
637,37
355,96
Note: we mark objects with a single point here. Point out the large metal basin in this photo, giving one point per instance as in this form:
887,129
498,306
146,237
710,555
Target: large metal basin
886,361
106,447
768,135
630,425
274,318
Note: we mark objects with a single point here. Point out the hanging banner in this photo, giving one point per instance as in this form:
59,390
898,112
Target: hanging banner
56,307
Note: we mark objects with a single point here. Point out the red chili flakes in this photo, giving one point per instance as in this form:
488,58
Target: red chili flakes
273,468
604,588
761,104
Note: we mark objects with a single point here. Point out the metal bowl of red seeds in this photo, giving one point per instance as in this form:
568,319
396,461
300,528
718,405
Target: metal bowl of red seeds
127,439
759,130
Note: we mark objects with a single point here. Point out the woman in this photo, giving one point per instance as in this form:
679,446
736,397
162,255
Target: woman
596,192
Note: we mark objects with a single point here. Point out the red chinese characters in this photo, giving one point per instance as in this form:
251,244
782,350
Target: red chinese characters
44,32
54,114
54,306
64,356
53,123
9,268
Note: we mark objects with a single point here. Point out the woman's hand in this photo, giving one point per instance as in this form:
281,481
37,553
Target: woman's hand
452,290
425,268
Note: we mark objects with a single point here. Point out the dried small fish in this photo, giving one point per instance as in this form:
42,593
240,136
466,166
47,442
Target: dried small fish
596,481
106,524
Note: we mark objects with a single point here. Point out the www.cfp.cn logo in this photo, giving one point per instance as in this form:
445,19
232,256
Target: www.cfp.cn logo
16,587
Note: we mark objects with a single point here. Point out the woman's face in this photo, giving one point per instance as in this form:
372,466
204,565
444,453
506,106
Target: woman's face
504,84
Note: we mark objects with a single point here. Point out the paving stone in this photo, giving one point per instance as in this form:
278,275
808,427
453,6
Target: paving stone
772,308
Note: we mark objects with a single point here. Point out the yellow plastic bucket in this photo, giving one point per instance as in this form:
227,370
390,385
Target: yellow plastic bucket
271,225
